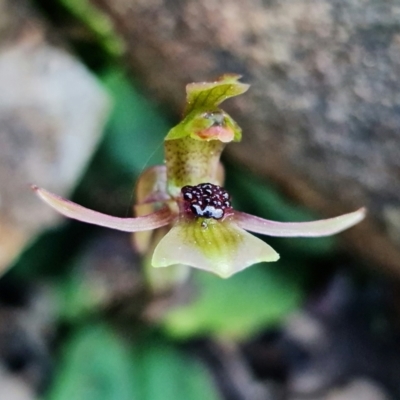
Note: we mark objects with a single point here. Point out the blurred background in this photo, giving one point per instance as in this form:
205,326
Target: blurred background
89,89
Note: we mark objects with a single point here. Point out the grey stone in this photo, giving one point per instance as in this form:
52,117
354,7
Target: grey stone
359,389
52,114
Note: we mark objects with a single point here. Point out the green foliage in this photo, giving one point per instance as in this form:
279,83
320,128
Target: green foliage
254,299
99,365
136,130
165,373
99,22
96,366
133,141
80,297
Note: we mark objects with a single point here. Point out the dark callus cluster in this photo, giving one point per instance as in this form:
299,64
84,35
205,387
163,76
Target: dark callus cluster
206,200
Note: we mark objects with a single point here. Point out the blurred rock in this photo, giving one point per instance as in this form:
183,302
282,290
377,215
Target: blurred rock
322,116
52,113
12,388
359,389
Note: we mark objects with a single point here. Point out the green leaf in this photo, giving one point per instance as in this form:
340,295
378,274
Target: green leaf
256,298
99,365
137,128
99,22
79,298
163,372
96,366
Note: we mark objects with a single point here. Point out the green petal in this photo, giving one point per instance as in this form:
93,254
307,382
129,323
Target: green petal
211,94
220,247
203,120
205,124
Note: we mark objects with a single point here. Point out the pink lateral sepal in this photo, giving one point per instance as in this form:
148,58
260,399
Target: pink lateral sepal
72,210
324,227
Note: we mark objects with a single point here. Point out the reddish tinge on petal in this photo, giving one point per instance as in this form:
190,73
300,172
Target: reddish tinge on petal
225,135
72,210
324,227
220,247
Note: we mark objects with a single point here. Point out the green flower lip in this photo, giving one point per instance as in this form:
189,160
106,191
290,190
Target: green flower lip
185,204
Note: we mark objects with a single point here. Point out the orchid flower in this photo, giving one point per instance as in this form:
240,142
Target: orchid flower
183,214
